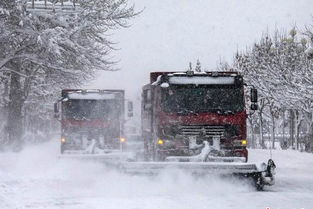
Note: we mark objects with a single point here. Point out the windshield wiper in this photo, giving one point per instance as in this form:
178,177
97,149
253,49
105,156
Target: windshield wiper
229,112
222,112
186,112
216,110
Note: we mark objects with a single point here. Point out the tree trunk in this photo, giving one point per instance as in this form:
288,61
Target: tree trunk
261,130
297,129
291,129
309,131
15,122
273,131
284,141
309,143
4,112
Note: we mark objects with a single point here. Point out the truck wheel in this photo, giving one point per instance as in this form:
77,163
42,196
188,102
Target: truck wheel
62,148
123,147
159,156
258,182
148,150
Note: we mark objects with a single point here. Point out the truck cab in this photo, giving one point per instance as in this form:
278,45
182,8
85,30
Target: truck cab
88,115
181,110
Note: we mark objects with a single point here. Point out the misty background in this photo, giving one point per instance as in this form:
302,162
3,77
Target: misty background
167,35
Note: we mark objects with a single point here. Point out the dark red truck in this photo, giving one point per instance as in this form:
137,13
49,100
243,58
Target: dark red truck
181,110
91,115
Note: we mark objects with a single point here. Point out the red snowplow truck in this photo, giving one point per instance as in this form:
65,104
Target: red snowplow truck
183,112
92,121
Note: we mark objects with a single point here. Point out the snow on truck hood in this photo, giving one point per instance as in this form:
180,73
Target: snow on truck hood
202,80
92,96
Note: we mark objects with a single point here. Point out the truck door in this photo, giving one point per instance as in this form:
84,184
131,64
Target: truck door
146,118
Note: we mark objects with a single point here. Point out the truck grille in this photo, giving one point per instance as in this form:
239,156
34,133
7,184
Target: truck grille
196,130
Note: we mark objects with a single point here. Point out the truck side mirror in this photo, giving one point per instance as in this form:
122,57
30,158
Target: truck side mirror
254,95
254,107
56,110
130,108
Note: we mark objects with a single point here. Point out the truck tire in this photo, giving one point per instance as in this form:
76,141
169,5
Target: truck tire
62,148
258,182
159,156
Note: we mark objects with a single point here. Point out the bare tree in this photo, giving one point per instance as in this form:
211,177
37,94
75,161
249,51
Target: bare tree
42,53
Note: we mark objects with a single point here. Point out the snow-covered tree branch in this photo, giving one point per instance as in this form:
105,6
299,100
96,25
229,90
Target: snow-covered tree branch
279,67
44,52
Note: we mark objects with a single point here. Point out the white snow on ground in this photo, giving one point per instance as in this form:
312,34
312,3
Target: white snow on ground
36,178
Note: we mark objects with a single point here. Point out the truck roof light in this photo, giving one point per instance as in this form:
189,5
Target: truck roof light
165,85
189,73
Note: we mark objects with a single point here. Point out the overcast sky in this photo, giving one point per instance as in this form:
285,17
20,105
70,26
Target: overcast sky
171,33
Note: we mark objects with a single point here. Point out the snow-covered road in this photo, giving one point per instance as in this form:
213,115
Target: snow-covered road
36,178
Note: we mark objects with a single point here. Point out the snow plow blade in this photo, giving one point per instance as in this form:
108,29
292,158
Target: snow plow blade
93,153
262,174
103,158
192,167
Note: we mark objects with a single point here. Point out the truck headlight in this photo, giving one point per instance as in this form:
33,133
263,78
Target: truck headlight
160,142
122,139
63,140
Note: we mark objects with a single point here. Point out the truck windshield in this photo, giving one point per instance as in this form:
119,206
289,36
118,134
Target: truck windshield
91,109
196,99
